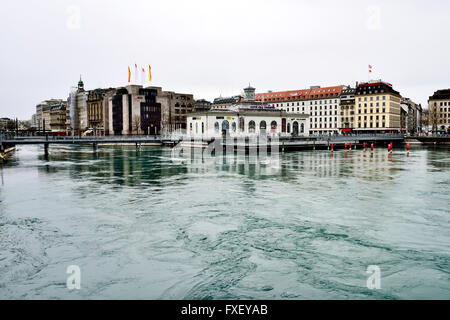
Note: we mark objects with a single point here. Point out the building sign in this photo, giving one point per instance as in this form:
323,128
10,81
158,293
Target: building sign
262,107
220,118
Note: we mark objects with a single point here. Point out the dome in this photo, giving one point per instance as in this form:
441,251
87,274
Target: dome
80,84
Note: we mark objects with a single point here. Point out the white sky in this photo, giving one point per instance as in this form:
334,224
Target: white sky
211,47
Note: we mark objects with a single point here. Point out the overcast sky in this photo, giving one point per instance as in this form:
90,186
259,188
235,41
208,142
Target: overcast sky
209,48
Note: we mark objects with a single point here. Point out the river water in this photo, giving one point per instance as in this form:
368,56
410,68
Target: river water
148,225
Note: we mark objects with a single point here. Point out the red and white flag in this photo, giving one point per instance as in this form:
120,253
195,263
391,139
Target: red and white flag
143,76
135,73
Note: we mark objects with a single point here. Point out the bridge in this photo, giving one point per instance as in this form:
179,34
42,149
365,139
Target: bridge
283,142
288,142
316,142
429,140
9,140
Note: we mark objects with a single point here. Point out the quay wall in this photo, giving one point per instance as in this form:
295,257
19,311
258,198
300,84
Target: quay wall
5,152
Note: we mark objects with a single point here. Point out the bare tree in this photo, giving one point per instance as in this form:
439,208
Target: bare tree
136,123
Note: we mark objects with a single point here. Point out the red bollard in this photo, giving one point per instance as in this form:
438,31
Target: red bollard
407,147
364,145
350,147
371,147
332,145
346,146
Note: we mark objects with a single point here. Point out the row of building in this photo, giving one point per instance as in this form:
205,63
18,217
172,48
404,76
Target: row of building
127,110
371,107
368,107
439,111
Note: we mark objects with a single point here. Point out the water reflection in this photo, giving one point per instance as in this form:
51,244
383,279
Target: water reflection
127,166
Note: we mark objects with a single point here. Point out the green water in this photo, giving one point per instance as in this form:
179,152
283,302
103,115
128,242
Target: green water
146,225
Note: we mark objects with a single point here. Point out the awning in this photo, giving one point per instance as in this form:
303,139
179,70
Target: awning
346,130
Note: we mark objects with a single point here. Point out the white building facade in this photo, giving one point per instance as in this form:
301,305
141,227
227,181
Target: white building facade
321,104
247,122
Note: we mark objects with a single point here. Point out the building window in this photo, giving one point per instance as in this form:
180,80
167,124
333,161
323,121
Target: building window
233,126
273,125
262,125
241,124
216,126
251,126
225,125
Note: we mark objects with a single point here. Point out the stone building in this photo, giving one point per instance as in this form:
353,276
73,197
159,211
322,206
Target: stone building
322,104
134,110
42,115
7,124
38,116
225,102
68,131
247,118
96,110
58,117
202,105
347,112
411,114
78,109
106,111
46,117
174,107
34,121
424,122
377,108
439,111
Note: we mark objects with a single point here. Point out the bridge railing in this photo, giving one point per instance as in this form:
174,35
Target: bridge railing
82,138
178,137
346,137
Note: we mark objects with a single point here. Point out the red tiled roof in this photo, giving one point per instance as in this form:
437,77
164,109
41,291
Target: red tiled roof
304,94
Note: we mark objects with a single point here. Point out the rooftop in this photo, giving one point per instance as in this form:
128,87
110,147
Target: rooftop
303,94
441,94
